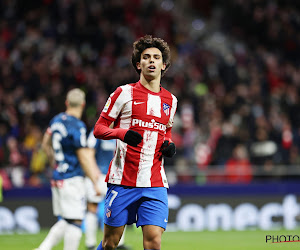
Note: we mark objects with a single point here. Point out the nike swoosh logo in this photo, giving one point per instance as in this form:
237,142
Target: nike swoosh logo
165,220
137,103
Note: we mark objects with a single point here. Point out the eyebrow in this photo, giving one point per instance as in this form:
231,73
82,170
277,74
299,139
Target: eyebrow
147,54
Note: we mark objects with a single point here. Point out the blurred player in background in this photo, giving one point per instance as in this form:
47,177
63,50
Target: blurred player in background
66,146
143,114
103,151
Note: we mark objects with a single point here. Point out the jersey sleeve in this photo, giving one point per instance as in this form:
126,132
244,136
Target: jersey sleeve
49,129
102,130
173,111
110,113
168,135
114,105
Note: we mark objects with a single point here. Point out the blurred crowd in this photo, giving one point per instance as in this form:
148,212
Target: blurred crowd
235,71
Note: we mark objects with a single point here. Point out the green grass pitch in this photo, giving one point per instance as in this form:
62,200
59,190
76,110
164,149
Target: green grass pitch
232,240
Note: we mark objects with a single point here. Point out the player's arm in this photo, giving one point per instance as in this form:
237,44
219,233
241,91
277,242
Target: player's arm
103,131
168,135
89,166
110,112
47,147
168,148
93,155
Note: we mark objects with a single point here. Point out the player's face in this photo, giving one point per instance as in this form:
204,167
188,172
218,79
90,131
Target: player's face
151,63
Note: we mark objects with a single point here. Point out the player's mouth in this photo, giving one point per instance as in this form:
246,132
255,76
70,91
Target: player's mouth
151,68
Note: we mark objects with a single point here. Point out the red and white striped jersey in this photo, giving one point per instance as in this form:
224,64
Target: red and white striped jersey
134,107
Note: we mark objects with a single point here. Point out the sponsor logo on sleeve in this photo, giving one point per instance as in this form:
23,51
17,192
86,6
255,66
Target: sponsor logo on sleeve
107,104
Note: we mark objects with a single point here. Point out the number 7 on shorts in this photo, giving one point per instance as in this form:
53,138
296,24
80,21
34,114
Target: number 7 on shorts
115,193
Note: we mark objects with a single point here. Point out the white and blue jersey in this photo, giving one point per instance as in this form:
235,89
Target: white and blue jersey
104,151
68,135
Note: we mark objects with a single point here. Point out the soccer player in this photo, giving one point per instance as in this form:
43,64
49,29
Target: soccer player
66,146
143,114
103,151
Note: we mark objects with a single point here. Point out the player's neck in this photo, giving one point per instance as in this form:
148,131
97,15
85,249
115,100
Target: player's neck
74,112
153,84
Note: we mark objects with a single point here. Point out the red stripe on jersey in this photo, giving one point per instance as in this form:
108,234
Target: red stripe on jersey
108,172
132,160
156,179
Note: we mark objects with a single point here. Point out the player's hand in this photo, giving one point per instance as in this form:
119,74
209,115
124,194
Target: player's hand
168,149
97,190
132,138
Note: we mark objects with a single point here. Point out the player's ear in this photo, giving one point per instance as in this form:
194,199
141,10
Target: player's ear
164,66
138,65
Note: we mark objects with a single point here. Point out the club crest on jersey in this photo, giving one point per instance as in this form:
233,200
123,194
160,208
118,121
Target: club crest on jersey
108,213
166,108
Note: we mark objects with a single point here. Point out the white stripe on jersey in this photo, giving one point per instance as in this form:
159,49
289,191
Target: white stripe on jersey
154,105
146,160
117,166
163,174
125,122
125,96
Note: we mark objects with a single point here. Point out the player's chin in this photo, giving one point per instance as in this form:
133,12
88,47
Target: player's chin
151,75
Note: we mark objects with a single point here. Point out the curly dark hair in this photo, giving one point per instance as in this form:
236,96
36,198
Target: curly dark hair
146,42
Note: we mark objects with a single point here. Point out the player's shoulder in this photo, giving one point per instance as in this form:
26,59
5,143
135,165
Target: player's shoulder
166,93
57,124
127,86
73,122
81,124
123,92
57,118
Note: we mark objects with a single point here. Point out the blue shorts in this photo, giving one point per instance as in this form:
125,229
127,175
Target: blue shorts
143,206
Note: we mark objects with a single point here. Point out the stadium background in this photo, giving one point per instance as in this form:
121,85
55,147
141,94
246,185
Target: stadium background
235,71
